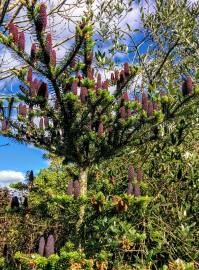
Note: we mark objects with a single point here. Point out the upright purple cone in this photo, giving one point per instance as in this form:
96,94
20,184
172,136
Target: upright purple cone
41,246
131,173
70,188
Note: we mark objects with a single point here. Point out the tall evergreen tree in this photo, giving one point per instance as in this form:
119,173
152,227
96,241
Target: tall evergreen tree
71,109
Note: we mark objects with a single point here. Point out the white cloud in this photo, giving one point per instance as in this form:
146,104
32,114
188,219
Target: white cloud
48,162
31,146
8,177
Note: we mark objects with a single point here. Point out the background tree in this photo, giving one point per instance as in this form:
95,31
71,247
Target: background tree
119,230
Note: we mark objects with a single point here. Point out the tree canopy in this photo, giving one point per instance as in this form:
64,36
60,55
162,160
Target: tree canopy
121,191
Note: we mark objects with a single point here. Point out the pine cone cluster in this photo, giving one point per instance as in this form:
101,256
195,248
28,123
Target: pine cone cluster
46,247
49,53
18,37
148,105
33,52
187,86
5,125
22,109
134,179
41,20
74,188
83,94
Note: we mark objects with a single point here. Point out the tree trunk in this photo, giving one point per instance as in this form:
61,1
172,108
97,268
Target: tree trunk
83,178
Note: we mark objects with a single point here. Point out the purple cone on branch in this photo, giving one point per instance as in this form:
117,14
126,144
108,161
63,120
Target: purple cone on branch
90,74
76,189
49,42
46,121
13,30
136,190
125,96
22,110
43,90
36,84
100,129
74,87
116,75
155,106
48,49
15,35
144,101
122,112
83,94
130,189
126,69
41,123
24,113
53,58
41,246
122,76
33,89
11,27
33,52
105,85
70,188
41,21
50,246
131,173
99,81
48,46
29,76
21,42
79,76
187,86
129,113
4,125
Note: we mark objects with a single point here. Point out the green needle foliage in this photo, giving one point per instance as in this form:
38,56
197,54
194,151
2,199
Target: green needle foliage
84,117
121,192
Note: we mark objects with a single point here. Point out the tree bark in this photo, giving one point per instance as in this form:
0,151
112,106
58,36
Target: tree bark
83,179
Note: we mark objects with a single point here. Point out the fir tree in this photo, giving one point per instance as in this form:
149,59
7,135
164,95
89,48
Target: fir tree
80,119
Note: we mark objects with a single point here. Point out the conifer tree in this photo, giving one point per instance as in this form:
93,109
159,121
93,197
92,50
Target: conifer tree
71,109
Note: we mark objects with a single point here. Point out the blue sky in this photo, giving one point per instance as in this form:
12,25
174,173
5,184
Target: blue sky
20,157
16,159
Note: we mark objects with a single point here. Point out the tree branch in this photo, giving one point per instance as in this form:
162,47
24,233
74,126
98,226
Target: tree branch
5,8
